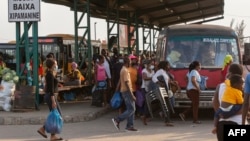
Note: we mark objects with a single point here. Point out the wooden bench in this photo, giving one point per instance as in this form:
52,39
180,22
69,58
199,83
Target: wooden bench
64,88
82,90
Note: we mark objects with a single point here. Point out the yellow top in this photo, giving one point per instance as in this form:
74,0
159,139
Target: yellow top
232,95
124,77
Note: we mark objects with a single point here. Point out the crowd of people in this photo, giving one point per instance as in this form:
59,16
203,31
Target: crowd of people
132,76
135,76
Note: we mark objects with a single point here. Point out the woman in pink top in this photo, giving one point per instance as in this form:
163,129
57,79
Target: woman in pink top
101,78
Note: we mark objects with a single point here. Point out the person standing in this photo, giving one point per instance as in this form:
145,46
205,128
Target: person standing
50,97
108,68
161,79
217,99
193,91
228,60
231,102
128,97
116,70
245,108
100,80
147,74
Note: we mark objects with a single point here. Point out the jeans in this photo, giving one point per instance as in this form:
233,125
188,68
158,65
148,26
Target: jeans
130,110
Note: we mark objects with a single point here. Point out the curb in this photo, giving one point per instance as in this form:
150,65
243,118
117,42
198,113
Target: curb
81,117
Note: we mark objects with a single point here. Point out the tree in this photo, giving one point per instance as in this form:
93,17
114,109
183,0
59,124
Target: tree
239,29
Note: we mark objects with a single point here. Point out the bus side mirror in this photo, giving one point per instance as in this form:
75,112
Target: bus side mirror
246,55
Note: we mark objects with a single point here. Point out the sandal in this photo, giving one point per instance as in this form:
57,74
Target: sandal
197,122
57,139
168,124
42,133
182,116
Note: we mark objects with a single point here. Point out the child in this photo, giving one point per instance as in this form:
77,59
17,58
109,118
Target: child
232,99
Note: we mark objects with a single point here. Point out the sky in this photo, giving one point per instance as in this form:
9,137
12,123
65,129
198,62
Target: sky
59,19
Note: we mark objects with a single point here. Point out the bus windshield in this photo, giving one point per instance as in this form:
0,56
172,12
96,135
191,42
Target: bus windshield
210,51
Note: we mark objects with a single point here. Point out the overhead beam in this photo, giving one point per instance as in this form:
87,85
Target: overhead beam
166,5
190,19
59,2
208,20
122,2
184,12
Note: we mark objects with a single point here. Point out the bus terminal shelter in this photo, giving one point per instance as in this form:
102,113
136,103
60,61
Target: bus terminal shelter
150,15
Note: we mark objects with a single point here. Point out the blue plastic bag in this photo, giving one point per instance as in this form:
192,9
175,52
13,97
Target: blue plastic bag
203,83
69,96
54,122
116,100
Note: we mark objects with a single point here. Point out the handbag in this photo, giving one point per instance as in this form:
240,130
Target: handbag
54,122
116,100
101,85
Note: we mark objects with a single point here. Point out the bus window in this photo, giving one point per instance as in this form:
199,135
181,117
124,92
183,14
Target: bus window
209,51
224,48
207,54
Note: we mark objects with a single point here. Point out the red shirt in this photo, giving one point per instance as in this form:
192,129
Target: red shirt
224,73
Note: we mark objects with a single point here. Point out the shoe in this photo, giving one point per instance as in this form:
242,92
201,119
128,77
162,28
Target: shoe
131,129
197,122
116,124
182,116
168,124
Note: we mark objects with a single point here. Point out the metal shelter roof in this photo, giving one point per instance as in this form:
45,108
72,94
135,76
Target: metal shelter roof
160,13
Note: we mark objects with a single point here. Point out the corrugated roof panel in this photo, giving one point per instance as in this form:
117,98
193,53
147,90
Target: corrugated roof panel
156,12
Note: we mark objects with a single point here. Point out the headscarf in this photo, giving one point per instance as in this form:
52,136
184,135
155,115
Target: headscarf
227,60
74,65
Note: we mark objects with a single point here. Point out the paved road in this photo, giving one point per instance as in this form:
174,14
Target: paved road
102,129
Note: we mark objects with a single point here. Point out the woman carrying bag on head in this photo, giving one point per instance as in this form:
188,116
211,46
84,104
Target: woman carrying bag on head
51,87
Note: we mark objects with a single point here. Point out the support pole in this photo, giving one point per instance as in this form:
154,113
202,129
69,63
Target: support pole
35,60
76,30
86,32
29,52
137,34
